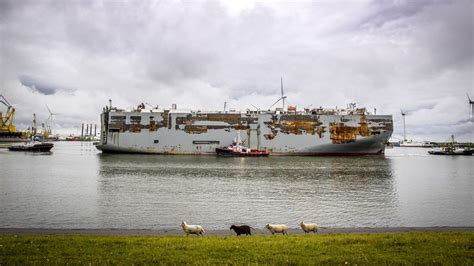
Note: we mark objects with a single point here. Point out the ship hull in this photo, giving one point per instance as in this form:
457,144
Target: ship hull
12,136
227,152
39,147
298,134
369,146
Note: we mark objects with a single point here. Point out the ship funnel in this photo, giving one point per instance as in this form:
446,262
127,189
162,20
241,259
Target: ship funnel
173,106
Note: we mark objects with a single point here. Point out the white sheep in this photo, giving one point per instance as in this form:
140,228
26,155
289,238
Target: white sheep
277,228
309,227
192,229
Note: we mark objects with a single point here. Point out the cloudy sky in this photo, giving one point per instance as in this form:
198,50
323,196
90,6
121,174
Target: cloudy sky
73,56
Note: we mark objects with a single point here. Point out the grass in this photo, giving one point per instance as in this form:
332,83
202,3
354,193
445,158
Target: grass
453,248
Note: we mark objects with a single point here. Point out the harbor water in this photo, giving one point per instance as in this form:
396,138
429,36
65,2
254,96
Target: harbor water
76,186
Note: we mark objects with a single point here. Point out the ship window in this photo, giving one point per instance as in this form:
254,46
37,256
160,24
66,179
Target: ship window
151,117
206,142
156,141
135,118
114,130
117,118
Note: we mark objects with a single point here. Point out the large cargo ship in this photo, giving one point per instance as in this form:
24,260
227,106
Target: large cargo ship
312,132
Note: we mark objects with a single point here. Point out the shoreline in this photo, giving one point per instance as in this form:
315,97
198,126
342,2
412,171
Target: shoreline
224,232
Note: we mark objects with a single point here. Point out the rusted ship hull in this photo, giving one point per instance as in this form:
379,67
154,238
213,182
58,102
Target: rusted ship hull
309,133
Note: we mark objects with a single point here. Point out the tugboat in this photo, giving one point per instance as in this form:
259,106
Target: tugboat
34,145
451,149
41,147
240,151
237,150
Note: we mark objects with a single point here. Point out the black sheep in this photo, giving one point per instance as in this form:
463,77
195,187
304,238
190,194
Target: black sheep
241,230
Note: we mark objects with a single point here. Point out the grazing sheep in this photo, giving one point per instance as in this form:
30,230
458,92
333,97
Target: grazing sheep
241,230
192,229
277,228
309,227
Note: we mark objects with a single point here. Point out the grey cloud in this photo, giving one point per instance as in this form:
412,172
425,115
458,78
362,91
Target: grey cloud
41,86
440,32
451,34
390,55
418,107
386,11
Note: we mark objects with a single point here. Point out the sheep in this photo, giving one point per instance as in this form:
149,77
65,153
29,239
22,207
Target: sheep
241,230
277,228
192,229
309,227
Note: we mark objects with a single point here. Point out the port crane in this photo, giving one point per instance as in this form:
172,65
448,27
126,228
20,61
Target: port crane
6,122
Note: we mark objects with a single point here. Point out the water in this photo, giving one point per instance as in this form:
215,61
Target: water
76,186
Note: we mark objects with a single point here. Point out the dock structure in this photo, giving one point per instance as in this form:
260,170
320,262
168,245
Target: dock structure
88,131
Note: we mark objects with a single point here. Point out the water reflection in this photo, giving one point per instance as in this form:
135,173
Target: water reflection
163,190
77,187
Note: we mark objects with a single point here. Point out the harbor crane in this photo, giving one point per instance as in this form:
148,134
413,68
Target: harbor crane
6,122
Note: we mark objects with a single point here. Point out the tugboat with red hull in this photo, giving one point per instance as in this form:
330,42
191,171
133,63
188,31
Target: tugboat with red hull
240,151
237,150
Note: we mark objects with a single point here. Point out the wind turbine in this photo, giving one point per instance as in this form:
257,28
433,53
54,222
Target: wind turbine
471,104
49,121
404,128
283,97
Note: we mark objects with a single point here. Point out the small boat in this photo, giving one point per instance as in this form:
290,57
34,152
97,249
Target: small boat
34,147
451,149
240,151
452,152
73,138
415,144
237,150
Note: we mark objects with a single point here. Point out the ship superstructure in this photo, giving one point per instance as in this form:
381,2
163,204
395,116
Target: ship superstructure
351,131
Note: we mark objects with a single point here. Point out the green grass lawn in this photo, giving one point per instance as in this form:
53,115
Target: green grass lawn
456,248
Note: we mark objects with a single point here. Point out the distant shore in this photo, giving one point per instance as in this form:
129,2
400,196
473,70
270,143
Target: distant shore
223,232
